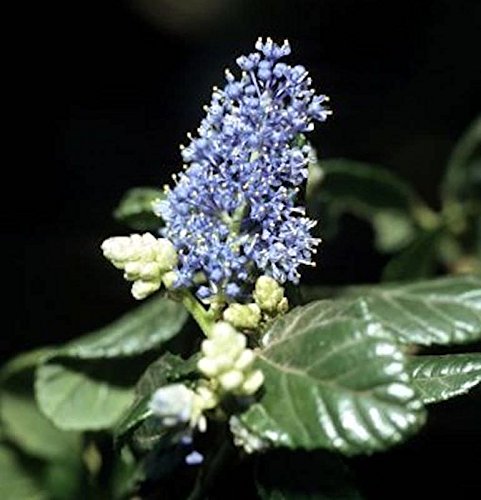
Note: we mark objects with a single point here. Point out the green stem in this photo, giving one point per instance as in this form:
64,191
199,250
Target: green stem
201,316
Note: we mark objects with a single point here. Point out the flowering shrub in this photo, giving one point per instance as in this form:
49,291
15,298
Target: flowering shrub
348,375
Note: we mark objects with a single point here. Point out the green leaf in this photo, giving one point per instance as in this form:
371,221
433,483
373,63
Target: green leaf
86,395
138,331
369,192
339,385
463,173
135,208
88,384
68,479
19,476
440,311
416,261
167,369
311,476
364,188
25,361
132,418
28,428
437,378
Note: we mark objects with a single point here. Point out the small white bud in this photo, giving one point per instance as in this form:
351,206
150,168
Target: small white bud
149,271
132,270
142,289
208,367
117,249
148,239
223,330
245,360
166,255
252,383
209,348
206,397
224,361
169,279
231,380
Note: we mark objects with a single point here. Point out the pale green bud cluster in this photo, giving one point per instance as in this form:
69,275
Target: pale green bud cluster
227,361
177,405
243,316
145,260
269,296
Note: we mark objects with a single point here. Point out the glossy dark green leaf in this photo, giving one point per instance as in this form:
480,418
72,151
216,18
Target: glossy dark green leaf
337,384
463,174
86,394
295,475
142,329
440,311
437,378
135,209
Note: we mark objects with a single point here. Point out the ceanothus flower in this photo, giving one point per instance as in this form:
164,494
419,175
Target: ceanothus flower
232,214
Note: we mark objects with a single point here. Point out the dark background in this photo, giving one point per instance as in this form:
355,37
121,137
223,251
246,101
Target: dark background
106,91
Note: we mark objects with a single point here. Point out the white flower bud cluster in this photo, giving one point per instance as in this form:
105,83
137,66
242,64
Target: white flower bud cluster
145,260
245,439
177,405
227,362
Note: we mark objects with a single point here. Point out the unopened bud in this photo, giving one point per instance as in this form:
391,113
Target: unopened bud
252,383
117,249
231,380
166,256
227,361
132,270
245,360
208,366
223,330
169,279
243,316
142,289
145,259
150,271
268,294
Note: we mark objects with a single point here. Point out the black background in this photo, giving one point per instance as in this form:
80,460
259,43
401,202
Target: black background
105,94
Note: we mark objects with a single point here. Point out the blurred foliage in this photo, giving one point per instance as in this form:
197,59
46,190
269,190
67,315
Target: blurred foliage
420,240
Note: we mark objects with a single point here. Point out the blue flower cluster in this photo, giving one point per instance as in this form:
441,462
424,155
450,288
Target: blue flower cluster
232,214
